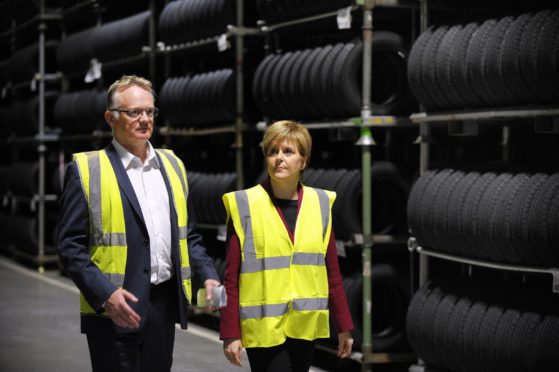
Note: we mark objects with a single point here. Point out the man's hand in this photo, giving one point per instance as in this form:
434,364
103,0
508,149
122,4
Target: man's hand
209,284
232,348
118,310
345,343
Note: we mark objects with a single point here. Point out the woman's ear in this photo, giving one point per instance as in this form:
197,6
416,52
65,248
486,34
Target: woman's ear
304,164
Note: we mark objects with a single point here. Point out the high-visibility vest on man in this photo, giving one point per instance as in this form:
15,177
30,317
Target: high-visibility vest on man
283,285
108,247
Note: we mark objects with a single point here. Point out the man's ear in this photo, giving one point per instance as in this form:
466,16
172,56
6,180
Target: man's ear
110,118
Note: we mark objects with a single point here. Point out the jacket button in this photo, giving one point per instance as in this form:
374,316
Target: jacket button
146,271
145,243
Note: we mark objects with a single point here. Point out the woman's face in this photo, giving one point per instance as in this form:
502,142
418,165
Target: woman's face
284,161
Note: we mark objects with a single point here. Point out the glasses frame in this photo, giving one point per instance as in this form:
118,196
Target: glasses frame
142,110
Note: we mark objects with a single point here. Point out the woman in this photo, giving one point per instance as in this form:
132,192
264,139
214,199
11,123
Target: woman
282,275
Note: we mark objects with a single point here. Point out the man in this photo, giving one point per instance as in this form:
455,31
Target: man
127,241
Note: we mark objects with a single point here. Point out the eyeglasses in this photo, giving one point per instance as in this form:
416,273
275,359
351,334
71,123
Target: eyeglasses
134,113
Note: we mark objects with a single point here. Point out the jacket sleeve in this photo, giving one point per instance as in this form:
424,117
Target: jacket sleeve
337,300
73,242
229,323
199,259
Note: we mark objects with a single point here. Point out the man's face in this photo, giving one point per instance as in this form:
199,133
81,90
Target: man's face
129,130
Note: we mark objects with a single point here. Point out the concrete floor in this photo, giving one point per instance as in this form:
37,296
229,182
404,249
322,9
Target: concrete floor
39,331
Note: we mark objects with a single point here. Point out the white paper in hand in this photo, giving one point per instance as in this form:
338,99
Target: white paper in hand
218,299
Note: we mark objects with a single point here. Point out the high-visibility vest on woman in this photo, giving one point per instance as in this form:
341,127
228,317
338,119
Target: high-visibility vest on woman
283,286
107,245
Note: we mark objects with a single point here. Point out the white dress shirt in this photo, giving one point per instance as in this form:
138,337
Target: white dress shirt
152,195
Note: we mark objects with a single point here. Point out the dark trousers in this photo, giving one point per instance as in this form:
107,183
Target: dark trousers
148,350
292,356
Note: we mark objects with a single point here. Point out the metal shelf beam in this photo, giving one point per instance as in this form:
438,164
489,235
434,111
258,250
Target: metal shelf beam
189,132
493,115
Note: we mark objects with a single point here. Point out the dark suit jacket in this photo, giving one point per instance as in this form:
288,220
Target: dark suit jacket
73,247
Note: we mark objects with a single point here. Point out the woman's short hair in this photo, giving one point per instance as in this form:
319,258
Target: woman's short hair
124,82
290,131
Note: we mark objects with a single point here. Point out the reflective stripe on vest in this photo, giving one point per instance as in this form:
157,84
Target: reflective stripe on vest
108,247
252,264
300,304
283,285
179,187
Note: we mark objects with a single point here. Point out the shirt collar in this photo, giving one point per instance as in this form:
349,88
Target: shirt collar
128,159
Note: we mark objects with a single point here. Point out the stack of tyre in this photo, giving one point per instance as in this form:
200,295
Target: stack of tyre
121,38
21,115
18,220
206,190
510,61
74,52
80,112
468,325
325,82
389,190
199,100
498,216
108,42
188,20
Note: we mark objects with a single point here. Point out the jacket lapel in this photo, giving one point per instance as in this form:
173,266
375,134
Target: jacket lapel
174,232
124,181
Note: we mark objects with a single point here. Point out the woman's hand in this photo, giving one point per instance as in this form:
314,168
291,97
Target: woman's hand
345,343
233,348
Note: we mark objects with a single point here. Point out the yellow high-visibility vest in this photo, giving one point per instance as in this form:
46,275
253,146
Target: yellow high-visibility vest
283,286
107,245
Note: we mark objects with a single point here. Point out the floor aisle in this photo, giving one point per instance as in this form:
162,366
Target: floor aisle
39,331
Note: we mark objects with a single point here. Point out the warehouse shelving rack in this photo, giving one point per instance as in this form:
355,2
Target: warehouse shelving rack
238,32
365,124
545,120
38,201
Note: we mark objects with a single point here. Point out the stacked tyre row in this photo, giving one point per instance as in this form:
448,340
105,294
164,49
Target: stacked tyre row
206,191
121,38
21,230
325,82
274,11
24,63
501,217
74,51
111,41
22,179
22,117
187,20
198,100
389,190
81,111
501,62
463,327
18,225
390,300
